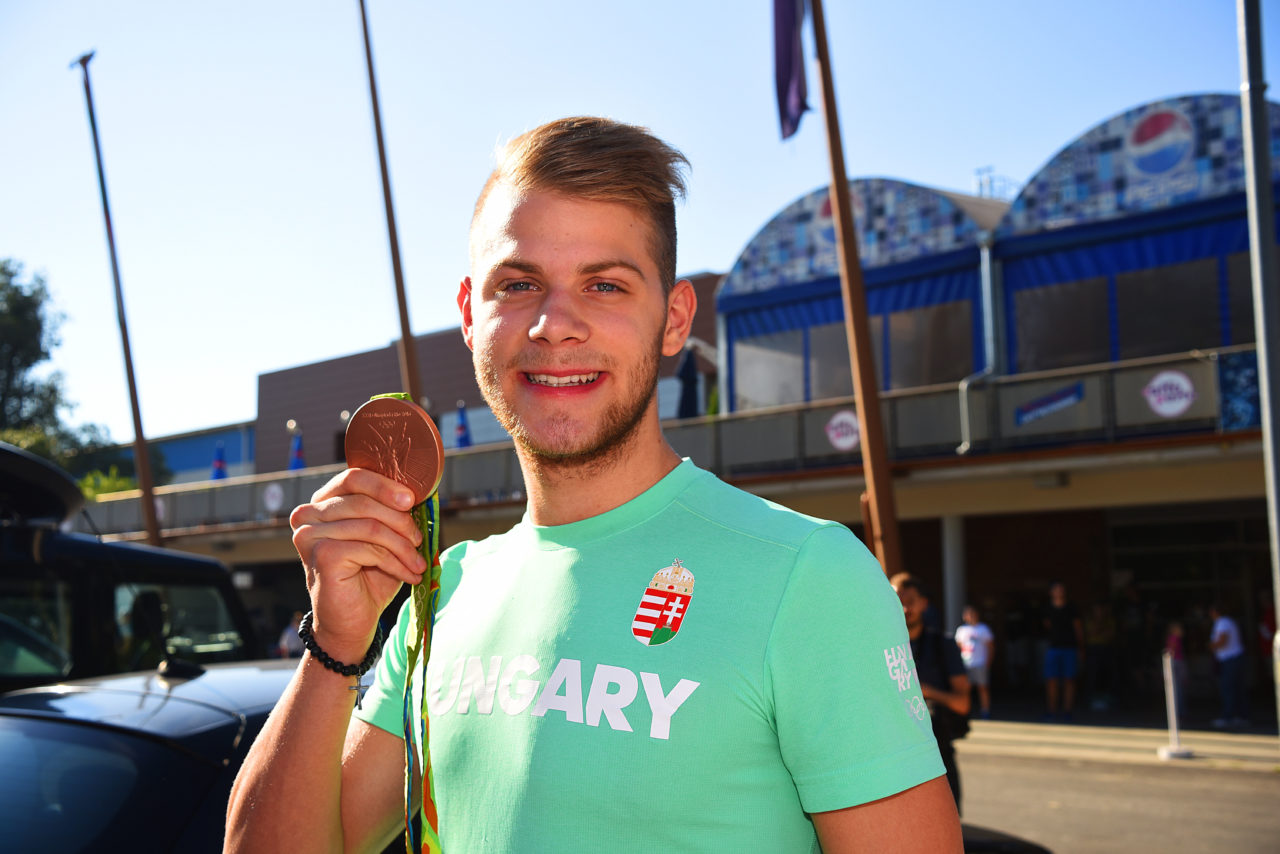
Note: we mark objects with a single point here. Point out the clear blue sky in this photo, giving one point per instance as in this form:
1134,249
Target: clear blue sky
243,174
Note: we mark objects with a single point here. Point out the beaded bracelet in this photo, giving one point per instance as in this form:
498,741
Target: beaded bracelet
309,641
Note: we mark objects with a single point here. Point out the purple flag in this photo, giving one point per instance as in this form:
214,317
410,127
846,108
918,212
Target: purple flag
788,63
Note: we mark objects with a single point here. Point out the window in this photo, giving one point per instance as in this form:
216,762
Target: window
1240,298
769,370
830,374
1168,309
1062,325
931,344
187,621
35,628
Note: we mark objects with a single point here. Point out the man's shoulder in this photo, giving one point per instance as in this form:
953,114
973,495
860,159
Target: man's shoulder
734,510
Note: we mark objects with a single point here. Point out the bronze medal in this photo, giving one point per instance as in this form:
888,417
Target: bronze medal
397,439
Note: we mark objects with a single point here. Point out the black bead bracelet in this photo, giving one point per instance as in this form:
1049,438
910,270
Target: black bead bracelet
309,641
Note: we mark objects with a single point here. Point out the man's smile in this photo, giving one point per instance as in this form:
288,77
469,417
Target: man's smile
562,381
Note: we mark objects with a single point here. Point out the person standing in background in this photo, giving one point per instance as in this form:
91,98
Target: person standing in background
1061,659
1228,649
977,649
939,670
290,644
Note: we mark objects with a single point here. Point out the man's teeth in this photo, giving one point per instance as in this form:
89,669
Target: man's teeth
574,379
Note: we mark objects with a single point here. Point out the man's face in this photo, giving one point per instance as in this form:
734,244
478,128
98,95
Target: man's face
567,320
913,607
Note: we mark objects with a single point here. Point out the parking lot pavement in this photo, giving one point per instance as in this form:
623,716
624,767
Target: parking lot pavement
1219,750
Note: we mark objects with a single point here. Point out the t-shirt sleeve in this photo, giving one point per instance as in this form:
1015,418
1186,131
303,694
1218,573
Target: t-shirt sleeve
383,703
852,726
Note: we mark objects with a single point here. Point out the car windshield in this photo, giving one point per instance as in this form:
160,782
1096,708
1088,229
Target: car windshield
187,620
68,787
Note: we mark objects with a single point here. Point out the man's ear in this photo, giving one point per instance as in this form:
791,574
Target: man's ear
682,304
464,306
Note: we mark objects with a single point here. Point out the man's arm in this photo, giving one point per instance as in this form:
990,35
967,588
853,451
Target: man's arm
923,818
306,785
956,699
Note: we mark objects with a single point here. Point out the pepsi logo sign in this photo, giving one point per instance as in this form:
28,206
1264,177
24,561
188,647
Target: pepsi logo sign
1170,393
1160,142
842,430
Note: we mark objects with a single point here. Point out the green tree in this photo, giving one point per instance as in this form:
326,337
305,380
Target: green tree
28,335
32,401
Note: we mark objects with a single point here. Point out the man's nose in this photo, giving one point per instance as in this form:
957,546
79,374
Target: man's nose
560,318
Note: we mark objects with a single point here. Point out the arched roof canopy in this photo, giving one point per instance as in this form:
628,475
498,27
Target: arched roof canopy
897,222
1162,154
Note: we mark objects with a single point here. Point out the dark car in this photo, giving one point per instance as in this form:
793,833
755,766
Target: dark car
73,606
136,762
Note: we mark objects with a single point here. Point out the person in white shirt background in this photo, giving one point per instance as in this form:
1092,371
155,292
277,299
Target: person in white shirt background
1228,649
977,648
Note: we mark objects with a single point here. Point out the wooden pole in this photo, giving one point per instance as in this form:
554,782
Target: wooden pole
141,457
883,532
408,355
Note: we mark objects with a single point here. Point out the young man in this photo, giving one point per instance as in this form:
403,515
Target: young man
650,657
938,667
977,649
1065,633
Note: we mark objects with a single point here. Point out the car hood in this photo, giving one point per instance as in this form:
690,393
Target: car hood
207,713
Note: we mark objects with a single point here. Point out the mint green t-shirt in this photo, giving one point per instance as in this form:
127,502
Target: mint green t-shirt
692,671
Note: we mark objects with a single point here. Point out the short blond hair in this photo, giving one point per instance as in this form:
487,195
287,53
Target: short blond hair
598,159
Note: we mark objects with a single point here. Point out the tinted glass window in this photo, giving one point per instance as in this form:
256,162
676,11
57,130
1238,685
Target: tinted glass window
189,621
830,373
35,628
1240,298
768,370
74,788
1168,309
931,344
1062,325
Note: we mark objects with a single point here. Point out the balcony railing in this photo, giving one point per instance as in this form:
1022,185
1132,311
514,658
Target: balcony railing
1182,393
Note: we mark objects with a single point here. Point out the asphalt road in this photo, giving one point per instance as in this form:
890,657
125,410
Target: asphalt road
1073,805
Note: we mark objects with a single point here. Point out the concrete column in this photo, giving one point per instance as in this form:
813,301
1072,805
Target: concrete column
953,571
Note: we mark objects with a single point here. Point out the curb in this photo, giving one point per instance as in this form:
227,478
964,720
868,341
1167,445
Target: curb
1226,751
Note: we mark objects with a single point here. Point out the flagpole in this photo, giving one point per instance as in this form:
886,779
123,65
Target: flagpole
883,523
408,357
142,460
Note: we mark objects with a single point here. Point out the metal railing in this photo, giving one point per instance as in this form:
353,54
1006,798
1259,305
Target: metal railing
1095,403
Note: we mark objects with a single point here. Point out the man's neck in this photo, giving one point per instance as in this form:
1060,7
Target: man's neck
915,631
560,493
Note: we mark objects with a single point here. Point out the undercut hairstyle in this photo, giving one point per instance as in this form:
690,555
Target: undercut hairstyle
600,160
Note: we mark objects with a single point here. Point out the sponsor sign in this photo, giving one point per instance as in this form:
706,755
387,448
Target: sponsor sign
1170,393
842,430
1034,410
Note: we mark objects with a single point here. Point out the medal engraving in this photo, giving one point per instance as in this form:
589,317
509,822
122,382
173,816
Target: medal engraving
397,439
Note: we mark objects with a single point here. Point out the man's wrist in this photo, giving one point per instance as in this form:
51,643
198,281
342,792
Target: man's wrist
343,666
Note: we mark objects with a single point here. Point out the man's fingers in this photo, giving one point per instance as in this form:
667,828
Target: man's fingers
356,506
365,482
346,556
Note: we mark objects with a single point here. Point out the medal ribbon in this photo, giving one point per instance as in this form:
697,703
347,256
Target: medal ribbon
422,836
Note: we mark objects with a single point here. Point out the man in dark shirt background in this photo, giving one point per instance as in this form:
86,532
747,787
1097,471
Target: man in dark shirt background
944,682
1061,660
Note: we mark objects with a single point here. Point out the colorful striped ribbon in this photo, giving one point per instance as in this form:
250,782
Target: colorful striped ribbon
422,836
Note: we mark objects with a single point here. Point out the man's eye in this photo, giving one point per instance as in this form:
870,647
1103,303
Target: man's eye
605,287
518,286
